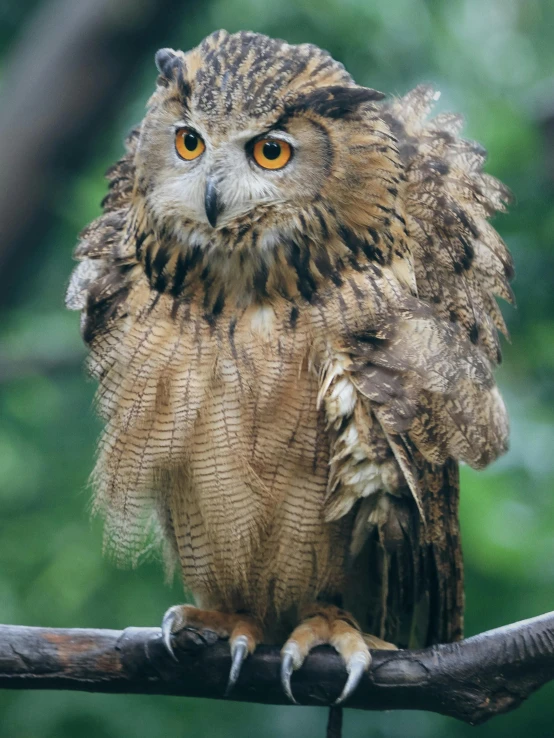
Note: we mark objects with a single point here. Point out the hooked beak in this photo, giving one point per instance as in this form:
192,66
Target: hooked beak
211,202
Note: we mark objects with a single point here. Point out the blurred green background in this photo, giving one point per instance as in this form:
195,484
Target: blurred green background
493,60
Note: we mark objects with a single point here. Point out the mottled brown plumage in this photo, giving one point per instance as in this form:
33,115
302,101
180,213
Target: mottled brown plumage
287,394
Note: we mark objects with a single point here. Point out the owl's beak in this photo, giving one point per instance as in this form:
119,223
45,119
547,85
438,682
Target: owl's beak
211,202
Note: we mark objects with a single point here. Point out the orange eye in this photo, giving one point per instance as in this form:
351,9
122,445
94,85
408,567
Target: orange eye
188,144
272,153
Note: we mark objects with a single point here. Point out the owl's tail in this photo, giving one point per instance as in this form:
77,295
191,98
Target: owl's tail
334,723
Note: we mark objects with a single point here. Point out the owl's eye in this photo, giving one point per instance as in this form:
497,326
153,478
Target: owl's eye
188,144
271,153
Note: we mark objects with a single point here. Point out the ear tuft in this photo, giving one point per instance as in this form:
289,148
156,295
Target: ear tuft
336,101
166,62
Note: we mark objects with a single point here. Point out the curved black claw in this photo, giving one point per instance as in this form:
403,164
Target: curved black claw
169,620
357,665
239,651
288,657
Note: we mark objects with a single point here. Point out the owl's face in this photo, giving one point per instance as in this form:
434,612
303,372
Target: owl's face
245,132
214,175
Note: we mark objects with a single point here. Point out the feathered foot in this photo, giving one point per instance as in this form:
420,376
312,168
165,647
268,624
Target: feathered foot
329,624
243,632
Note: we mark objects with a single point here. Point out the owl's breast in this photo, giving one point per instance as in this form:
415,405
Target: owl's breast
247,503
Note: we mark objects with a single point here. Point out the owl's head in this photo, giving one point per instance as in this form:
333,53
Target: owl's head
248,134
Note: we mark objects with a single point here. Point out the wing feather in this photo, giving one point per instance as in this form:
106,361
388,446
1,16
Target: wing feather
425,374
412,571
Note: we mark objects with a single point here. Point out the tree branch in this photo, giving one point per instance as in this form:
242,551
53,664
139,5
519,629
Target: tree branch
472,681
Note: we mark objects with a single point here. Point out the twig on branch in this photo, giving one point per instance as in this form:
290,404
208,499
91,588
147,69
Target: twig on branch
472,681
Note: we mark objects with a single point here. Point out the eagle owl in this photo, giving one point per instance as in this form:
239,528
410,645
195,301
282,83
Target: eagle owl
289,302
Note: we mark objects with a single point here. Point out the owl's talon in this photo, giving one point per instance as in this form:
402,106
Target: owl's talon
287,667
328,624
169,620
239,651
358,664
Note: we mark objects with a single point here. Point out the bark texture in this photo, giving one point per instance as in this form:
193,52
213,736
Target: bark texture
472,680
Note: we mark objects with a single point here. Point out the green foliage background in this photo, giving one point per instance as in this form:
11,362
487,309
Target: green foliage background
492,60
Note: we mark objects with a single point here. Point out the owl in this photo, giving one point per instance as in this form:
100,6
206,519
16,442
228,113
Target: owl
289,303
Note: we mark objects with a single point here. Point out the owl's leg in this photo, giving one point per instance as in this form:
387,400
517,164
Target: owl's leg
242,630
329,624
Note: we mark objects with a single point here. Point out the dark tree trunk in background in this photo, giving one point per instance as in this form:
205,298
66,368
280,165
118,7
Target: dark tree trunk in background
63,82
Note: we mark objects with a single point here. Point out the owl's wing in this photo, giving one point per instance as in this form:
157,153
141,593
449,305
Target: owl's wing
412,569
460,261
100,287
425,371
98,284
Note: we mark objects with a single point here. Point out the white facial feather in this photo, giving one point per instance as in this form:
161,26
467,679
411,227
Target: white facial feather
242,186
